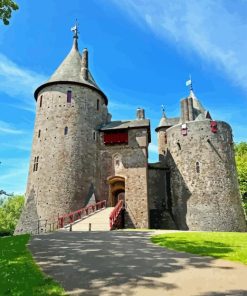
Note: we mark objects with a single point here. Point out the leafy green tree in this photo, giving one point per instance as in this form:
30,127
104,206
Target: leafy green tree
10,212
6,8
241,161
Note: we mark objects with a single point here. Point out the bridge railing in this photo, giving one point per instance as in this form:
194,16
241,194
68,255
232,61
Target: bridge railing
116,217
79,214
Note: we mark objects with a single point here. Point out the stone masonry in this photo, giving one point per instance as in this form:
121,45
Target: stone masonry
79,152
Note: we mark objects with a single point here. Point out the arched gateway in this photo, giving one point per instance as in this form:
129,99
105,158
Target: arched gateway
116,190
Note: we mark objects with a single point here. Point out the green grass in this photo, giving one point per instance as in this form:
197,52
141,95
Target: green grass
226,245
19,275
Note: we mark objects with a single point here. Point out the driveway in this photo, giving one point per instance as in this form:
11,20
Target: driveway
127,263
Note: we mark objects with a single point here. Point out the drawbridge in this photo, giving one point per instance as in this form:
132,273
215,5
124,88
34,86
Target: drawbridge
95,217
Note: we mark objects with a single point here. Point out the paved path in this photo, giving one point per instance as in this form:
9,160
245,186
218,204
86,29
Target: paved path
127,263
99,221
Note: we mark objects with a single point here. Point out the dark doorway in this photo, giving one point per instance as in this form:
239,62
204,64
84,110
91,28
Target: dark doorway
119,195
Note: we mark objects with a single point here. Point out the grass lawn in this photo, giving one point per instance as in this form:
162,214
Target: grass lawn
226,245
19,275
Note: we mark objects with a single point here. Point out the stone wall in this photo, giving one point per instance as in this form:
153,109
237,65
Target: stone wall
132,166
159,197
67,164
204,184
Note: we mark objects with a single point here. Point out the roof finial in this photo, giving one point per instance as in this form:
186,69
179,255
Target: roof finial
163,111
189,83
75,29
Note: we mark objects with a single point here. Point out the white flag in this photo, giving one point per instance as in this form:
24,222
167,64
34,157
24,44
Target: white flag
188,82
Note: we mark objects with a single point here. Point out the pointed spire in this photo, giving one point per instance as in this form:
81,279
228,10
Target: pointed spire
75,30
163,111
189,83
74,68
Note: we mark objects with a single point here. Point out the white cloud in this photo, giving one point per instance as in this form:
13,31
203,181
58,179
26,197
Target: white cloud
214,30
7,128
18,82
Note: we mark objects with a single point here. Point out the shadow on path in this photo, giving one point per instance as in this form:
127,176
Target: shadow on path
94,263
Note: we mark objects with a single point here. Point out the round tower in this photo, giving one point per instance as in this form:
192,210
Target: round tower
63,165
164,124
204,186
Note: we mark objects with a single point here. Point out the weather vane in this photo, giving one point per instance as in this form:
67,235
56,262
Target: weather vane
163,110
189,83
75,29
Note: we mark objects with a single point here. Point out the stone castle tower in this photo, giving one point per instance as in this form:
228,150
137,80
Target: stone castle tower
63,166
78,152
199,155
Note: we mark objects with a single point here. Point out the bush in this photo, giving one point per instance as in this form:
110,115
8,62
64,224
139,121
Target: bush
10,212
241,162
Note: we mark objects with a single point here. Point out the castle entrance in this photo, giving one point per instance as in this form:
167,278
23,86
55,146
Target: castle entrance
116,190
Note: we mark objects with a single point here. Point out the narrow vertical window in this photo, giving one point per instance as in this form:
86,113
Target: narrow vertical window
94,136
36,163
66,130
39,133
69,96
165,138
98,105
197,167
40,101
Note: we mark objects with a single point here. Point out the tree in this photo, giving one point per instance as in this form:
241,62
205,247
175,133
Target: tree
241,161
10,212
6,8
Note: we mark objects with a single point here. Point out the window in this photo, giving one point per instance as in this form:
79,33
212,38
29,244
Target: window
66,129
179,146
165,138
40,101
94,136
39,133
69,96
118,137
36,163
98,105
197,167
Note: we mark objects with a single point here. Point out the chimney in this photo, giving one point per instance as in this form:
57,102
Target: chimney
85,64
140,113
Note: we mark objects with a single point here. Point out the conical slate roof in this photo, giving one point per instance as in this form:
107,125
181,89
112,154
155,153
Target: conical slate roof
71,71
167,122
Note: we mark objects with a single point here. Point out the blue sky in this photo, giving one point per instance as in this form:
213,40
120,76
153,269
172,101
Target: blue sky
141,53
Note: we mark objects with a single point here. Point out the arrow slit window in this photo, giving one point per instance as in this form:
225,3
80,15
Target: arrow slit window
69,96
36,163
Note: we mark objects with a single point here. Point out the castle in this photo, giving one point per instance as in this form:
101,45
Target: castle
78,152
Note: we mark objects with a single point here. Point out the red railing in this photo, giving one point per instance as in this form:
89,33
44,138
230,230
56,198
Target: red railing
79,214
115,216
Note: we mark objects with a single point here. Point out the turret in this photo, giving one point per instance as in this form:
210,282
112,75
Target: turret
63,164
165,123
198,152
